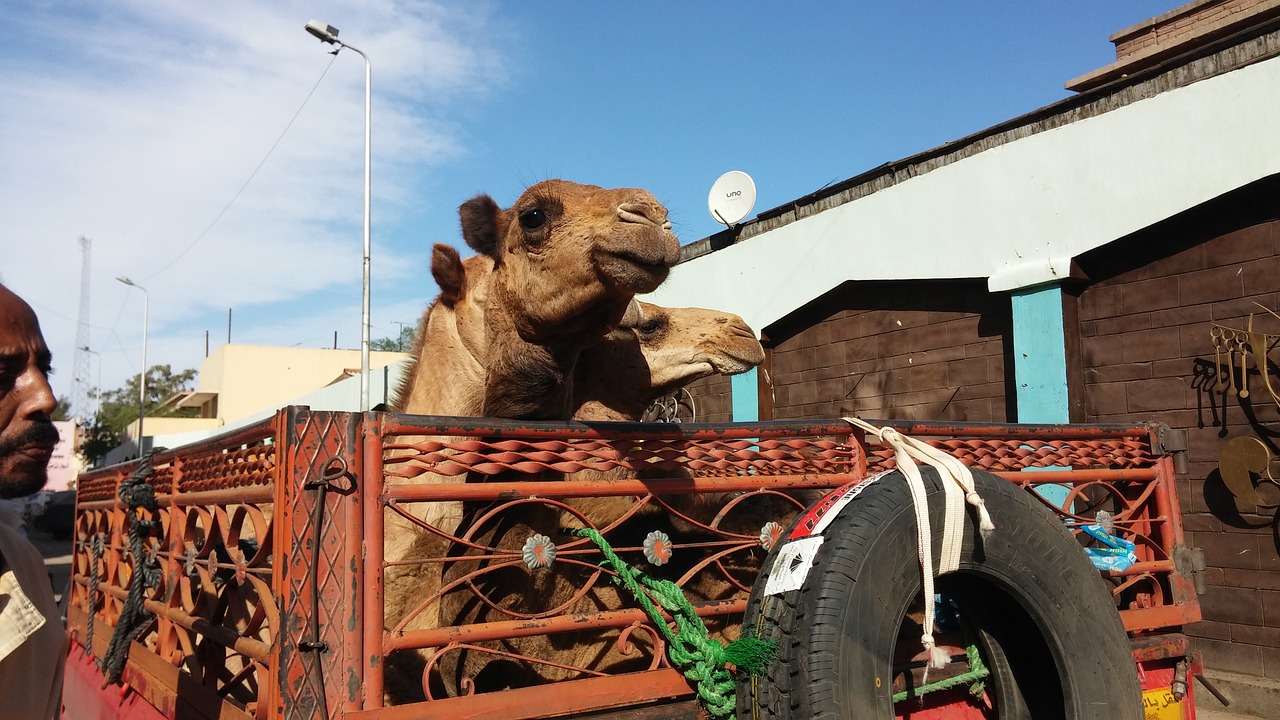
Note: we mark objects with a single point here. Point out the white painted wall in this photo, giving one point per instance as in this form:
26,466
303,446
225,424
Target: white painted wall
1015,214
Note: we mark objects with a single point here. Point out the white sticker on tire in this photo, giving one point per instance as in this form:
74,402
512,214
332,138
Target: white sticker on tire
792,565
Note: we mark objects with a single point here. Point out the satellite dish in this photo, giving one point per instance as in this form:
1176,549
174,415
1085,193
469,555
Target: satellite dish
732,196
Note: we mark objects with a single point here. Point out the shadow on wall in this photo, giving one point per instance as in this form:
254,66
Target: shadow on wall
1242,492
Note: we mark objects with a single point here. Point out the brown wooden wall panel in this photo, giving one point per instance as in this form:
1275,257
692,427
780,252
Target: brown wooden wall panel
712,399
1147,354
906,350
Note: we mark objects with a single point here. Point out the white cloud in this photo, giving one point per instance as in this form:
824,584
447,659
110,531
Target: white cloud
137,126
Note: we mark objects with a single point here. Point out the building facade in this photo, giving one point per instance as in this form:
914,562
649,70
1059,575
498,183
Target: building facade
1114,257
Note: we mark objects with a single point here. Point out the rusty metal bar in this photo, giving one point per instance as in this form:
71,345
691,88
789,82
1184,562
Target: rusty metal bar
1067,477
502,629
1143,568
588,695
372,653
233,496
1162,616
224,636
1167,500
408,492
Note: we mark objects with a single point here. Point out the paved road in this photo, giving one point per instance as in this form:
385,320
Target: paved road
1203,713
57,557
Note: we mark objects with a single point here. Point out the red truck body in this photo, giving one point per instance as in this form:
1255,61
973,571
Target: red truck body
269,542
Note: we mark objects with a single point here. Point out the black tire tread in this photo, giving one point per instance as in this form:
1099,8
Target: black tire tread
804,683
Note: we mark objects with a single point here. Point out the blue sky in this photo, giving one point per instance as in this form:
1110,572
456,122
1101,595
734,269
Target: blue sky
188,144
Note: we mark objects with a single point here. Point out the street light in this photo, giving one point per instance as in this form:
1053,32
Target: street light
329,34
97,390
142,374
399,335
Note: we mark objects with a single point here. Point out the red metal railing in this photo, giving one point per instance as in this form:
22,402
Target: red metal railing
281,598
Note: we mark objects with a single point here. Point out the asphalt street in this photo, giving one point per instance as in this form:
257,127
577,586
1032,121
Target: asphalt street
57,557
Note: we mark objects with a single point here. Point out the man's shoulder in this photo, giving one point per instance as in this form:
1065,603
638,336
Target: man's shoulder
16,551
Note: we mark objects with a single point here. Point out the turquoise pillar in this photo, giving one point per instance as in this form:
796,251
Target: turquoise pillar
1040,355
1040,365
746,396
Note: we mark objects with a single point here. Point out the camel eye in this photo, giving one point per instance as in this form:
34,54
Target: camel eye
650,327
532,219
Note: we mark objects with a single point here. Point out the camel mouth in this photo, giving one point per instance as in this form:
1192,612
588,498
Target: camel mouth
737,354
728,365
632,272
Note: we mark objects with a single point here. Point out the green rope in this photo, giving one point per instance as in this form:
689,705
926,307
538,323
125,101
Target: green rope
702,658
975,676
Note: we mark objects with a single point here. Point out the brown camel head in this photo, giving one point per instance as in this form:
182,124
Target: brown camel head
654,351
445,375
662,350
567,260
569,257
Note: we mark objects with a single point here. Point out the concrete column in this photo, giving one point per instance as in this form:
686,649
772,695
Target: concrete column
1040,354
745,390
1040,364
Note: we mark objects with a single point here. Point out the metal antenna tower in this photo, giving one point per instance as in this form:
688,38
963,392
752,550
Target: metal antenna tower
80,370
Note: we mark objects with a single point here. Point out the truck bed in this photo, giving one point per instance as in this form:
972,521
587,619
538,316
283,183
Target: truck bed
269,542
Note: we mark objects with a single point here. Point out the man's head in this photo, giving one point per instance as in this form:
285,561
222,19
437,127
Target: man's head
27,433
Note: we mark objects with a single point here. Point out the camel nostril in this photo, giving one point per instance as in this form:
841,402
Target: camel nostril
644,213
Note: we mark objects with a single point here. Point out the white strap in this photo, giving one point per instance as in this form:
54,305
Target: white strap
958,486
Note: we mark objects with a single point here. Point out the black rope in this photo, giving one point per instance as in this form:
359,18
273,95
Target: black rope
138,495
95,545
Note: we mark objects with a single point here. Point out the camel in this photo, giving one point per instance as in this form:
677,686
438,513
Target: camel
661,350
555,273
567,261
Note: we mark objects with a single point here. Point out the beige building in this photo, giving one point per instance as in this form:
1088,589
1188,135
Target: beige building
240,380
240,384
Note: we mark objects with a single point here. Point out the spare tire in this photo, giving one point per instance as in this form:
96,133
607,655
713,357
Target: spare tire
837,603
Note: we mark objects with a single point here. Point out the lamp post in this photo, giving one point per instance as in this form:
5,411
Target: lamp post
142,374
399,335
329,34
97,391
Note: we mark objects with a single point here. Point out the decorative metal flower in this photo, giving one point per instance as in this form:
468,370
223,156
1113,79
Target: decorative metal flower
538,552
657,547
769,535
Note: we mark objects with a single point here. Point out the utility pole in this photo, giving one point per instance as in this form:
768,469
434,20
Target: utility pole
80,361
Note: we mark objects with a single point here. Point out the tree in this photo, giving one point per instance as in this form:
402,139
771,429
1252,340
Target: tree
120,407
63,410
400,344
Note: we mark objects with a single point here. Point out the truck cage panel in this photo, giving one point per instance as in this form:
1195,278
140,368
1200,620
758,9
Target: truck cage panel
280,598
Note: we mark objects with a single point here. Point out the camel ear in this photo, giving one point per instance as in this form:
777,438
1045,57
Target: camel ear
480,218
446,268
633,316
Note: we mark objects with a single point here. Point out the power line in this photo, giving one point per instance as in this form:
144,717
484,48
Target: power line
251,177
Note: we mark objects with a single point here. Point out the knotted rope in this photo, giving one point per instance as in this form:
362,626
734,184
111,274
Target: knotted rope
958,486
95,546
139,497
690,648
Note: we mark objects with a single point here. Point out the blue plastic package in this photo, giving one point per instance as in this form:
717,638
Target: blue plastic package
1115,554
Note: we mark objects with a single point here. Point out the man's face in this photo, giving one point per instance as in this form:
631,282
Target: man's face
27,434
